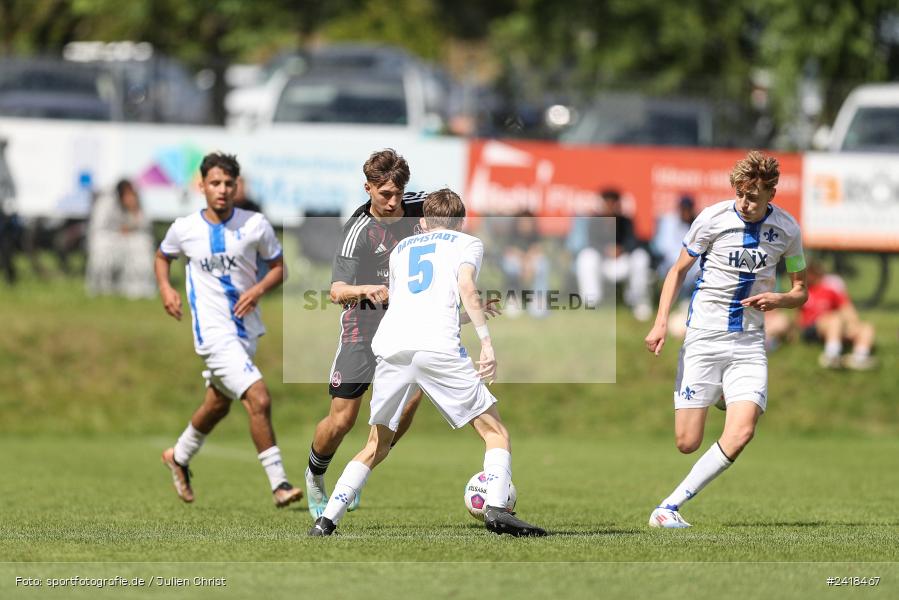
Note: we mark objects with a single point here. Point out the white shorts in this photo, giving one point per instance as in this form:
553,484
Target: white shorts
712,362
450,382
230,367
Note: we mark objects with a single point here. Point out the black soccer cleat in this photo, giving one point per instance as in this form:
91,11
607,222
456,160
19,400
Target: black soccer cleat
501,520
323,526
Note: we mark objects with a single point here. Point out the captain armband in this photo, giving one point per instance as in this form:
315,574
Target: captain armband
795,263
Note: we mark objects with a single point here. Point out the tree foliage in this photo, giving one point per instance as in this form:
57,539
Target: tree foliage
691,46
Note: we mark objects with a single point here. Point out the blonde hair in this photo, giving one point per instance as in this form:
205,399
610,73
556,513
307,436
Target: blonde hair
444,208
757,170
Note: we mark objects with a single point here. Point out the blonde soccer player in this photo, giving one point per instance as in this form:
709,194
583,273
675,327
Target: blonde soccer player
738,243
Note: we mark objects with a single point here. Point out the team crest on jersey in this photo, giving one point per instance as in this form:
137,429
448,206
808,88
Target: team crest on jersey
417,229
336,379
770,235
747,259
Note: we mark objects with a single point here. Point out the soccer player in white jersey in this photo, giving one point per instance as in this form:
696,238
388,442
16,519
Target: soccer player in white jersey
418,344
221,244
739,243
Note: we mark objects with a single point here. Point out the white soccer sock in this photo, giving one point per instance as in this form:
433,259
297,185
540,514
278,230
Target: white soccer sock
188,445
350,483
498,470
274,468
710,465
833,348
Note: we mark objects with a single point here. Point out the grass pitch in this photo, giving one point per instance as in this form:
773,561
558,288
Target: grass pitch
91,391
790,512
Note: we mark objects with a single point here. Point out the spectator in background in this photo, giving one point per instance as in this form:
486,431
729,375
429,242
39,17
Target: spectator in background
525,267
9,232
622,259
830,317
671,230
667,244
120,245
242,198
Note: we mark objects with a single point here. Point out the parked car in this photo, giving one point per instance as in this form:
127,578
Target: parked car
641,120
868,121
53,89
347,83
98,86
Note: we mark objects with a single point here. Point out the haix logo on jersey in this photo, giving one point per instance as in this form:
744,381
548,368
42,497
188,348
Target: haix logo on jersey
218,264
747,260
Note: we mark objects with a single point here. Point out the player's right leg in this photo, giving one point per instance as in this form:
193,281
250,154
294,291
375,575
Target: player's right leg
214,408
498,471
462,398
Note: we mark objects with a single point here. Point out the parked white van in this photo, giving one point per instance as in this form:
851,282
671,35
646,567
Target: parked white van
868,121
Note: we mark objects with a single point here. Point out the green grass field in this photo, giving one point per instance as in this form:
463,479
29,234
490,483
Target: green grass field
94,389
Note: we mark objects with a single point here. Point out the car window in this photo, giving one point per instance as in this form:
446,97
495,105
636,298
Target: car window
343,101
873,128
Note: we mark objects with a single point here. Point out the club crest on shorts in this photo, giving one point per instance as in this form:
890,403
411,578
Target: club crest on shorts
336,379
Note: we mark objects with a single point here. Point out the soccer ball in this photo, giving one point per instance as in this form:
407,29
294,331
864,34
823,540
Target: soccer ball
476,496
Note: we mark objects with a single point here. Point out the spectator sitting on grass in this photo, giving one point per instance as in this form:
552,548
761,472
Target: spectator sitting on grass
830,317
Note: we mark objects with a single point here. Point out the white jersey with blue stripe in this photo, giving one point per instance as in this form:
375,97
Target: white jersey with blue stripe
737,260
221,265
424,293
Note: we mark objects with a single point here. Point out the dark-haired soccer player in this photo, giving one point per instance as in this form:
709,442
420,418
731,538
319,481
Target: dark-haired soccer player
221,244
418,344
359,283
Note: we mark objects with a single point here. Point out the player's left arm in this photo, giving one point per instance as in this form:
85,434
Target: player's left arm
271,252
798,294
250,298
795,298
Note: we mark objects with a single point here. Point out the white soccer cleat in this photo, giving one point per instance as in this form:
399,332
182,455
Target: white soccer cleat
666,518
316,493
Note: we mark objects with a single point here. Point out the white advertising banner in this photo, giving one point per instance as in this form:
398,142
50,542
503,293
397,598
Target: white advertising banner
290,170
851,201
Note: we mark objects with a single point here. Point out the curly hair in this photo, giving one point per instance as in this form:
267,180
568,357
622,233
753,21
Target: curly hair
756,171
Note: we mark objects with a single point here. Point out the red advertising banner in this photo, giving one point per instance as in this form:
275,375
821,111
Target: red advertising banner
551,180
